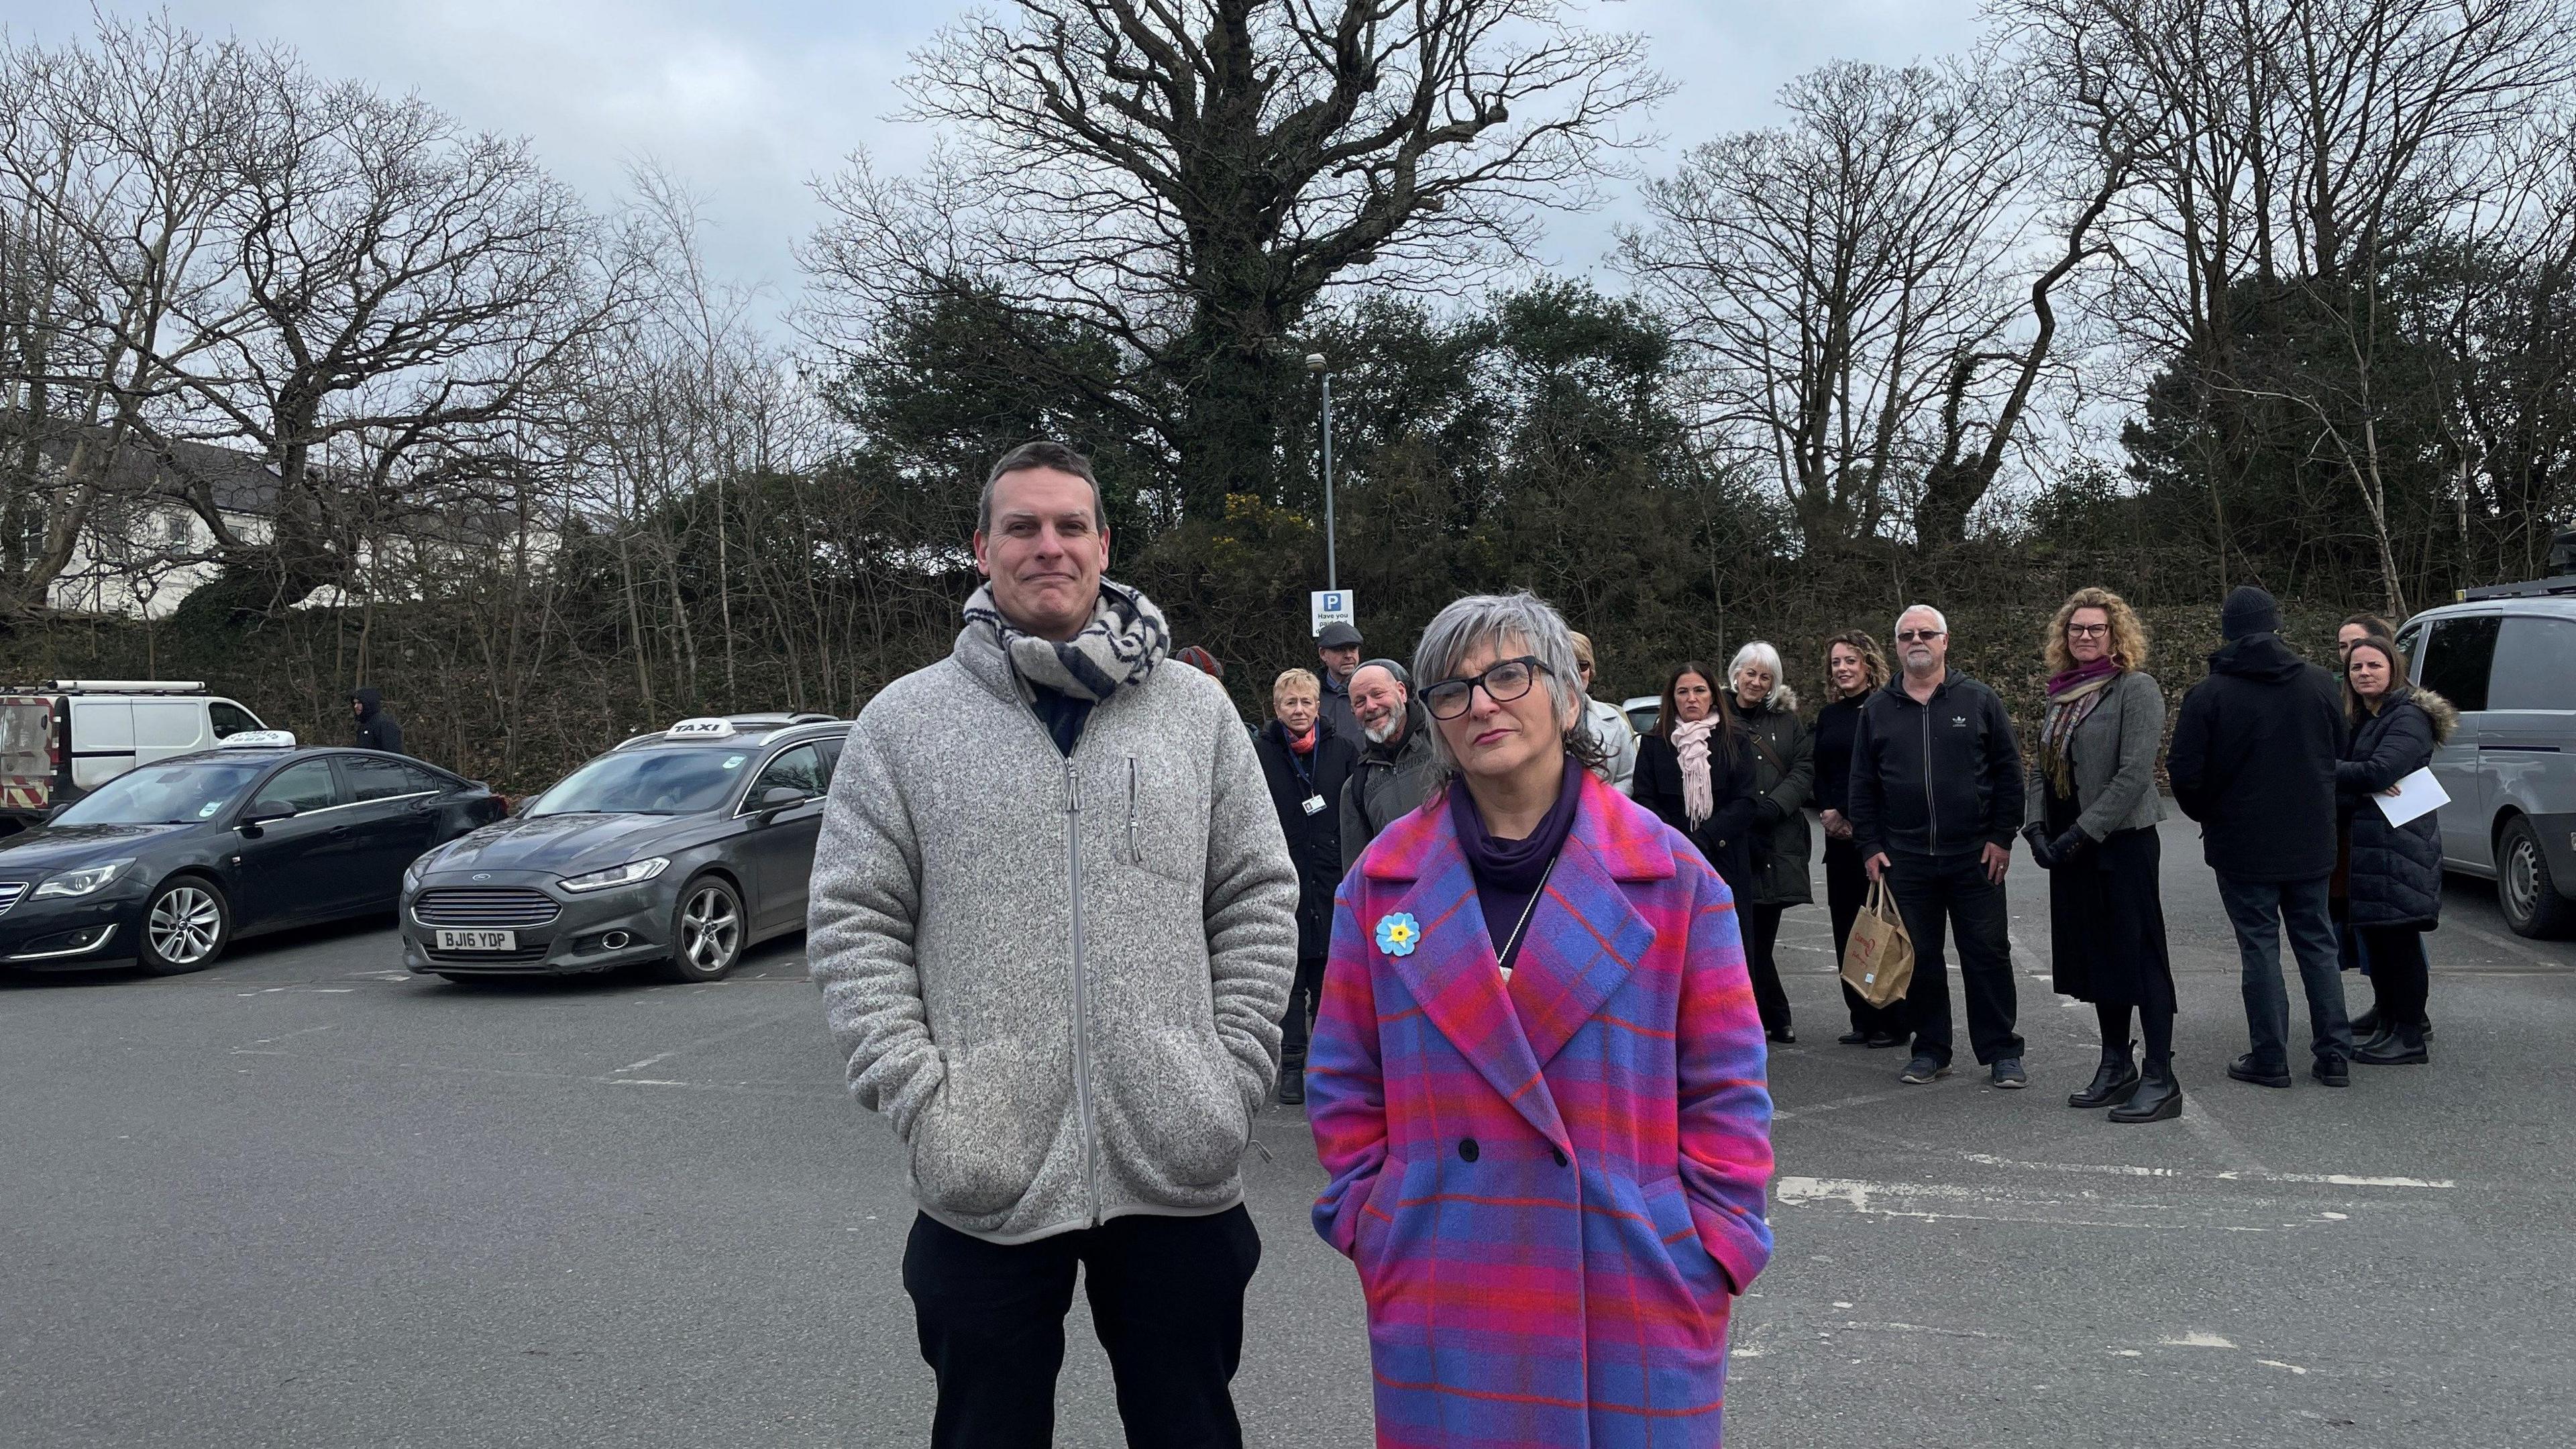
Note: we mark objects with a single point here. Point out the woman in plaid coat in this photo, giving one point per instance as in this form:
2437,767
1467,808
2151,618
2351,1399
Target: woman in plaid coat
1548,1156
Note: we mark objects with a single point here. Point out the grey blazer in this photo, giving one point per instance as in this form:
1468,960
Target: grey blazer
2115,761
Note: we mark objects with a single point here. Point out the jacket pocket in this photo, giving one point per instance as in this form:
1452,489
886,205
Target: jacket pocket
1668,1208
979,1144
1179,1107
1163,825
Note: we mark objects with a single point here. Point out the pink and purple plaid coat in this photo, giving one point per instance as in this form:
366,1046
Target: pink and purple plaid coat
1551,1189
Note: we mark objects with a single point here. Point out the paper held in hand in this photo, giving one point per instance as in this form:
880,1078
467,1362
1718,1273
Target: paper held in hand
2417,794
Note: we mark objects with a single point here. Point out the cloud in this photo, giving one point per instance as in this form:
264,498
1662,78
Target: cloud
746,103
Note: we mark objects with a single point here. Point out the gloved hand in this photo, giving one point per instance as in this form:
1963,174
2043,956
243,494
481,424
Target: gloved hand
2040,852
2053,853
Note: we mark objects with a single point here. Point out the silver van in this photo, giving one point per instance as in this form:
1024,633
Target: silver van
2506,656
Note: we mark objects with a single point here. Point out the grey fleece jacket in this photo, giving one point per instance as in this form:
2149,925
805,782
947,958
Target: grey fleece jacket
1059,979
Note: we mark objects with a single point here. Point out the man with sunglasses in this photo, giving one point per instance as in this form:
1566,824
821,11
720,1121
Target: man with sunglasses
1936,796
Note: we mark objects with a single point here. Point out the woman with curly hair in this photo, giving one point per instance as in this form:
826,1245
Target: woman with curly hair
2091,824
1854,666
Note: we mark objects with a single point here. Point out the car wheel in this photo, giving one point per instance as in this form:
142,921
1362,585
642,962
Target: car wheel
706,932
2524,887
186,925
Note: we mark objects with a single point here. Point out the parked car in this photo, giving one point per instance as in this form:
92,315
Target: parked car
1644,712
168,864
2506,656
682,848
66,737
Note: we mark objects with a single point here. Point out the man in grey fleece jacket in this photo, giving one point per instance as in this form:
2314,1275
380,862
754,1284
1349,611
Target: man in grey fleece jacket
1054,920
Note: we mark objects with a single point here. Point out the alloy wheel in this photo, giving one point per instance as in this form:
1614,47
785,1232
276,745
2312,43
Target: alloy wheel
185,925
710,928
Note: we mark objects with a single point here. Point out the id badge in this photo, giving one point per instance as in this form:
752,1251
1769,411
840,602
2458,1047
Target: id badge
1314,804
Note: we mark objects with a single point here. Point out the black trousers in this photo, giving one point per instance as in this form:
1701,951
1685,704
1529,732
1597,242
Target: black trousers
1166,1295
2399,970
1846,887
1949,894
1305,997
1761,938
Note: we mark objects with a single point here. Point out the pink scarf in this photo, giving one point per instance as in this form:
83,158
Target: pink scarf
1690,741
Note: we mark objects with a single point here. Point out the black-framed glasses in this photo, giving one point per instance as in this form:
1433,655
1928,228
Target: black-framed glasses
1503,681
2087,631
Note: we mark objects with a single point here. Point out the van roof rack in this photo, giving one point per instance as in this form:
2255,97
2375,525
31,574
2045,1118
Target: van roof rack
125,686
2527,589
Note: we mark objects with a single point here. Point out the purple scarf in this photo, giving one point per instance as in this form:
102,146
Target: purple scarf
2072,693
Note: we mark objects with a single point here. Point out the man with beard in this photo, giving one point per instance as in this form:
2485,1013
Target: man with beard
1935,804
1396,770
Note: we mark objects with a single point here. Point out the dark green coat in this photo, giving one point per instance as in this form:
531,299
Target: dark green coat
1782,780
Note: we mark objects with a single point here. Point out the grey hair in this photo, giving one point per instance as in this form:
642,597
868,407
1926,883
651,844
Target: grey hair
1937,617
1760,652
1492,619
1040,453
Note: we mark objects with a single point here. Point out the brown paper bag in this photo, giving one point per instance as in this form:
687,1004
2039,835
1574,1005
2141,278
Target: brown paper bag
1878,960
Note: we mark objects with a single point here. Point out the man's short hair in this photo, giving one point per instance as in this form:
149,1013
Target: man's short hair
1939,618
1296,679
1402,676
1040,453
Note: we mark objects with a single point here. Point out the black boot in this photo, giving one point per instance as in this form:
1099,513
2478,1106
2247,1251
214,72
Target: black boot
2112,1082
2366,1025
2399,1046
2158,1097
1292,1081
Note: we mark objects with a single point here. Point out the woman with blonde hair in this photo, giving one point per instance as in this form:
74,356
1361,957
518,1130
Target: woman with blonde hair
1854,667
2091,824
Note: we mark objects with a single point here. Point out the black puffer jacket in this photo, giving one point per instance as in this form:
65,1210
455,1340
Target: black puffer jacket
2396,869
1314,838
1783,779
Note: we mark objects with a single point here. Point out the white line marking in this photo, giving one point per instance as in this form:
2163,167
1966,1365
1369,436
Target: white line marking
2115,1169
2196,1339
2276,1363
2222,1144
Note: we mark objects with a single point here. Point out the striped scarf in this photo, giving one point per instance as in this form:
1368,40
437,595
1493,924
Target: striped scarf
1123,642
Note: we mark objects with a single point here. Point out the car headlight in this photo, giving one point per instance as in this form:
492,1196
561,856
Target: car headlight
88,880
632,873
411,872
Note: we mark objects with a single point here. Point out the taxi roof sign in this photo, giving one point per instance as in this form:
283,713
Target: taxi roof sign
258,740
700,729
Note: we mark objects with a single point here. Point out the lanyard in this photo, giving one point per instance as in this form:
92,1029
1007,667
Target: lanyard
1511,948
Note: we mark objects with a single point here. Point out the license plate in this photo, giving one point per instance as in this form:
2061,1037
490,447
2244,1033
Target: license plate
478,940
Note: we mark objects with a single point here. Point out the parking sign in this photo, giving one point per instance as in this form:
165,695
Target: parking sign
1331,606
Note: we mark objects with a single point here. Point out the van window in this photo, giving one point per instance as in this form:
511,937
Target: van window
2457,658
166,725
2535,665
230,719
27,739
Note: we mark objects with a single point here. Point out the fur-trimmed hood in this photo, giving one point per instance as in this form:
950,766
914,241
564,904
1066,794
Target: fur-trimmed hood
2444,714
1781,698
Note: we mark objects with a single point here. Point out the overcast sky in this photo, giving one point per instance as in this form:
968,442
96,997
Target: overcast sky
747,102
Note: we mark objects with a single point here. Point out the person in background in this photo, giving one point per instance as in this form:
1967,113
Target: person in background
1054,922
2348,952
1784,776
2092,813
1199,659
1339,647
1696,773
2396,869
1935,807
1854,668
2253,760
1609,724
377,728
1537,1084
1306,765
1397,770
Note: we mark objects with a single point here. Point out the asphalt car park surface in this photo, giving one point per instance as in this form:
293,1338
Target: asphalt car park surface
306,1198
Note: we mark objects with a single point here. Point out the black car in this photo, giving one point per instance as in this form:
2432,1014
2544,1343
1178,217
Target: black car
681,848
169,864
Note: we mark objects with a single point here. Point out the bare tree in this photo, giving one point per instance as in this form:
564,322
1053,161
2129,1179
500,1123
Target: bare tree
1188,176
1844,284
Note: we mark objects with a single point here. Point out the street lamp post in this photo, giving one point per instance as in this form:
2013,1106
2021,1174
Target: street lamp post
1332,569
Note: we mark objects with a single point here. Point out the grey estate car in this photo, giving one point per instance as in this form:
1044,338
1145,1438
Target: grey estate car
2506,656
681,848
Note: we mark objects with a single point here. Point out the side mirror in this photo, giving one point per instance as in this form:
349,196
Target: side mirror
780,797
263,813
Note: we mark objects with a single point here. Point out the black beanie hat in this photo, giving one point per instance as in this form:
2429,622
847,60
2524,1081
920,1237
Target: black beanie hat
2248,610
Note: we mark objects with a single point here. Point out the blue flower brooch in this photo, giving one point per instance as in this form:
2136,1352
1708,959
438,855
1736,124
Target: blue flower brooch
1398,934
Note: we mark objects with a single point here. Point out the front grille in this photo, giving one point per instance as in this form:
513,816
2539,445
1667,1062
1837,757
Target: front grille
523,955
497,907
10,891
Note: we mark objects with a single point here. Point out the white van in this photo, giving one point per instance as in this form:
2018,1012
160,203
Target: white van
66,737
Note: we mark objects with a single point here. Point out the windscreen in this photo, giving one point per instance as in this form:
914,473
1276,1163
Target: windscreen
26,730
646,782
174,794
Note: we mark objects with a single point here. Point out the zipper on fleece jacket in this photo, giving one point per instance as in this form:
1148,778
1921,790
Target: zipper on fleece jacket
1135,823
1081,995
1931,807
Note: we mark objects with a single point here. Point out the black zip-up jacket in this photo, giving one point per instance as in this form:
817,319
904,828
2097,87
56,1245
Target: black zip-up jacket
1940,779
1314,838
